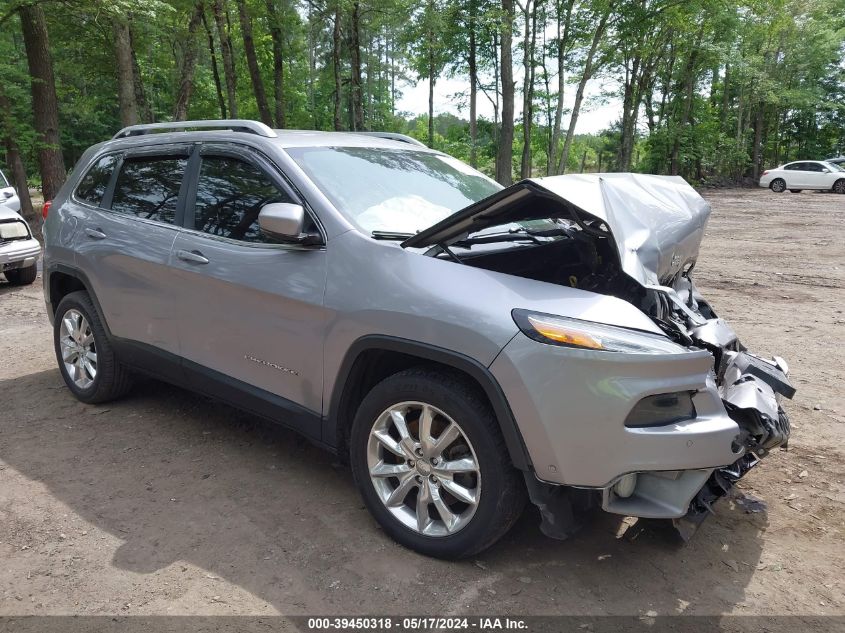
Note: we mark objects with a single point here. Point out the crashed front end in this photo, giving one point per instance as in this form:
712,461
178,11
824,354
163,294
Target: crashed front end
750,389
659,434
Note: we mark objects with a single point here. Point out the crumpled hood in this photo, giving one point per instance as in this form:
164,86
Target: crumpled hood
657,222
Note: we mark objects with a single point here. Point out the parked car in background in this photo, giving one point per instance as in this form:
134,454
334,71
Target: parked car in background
805,174
8,196
19,250
462,345
838,161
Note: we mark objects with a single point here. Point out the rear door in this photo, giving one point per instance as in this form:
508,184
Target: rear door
250,308
123,243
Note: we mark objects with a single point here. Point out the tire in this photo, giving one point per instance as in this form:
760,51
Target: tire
111,379
496,485
778,185
22,276
795,191
839,186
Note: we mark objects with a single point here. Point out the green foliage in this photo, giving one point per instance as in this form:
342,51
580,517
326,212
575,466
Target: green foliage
716,90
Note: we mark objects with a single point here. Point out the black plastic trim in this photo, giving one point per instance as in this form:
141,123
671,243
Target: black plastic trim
163,365
333,430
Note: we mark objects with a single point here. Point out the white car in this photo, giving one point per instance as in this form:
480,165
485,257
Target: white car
19,250
8,197
805,174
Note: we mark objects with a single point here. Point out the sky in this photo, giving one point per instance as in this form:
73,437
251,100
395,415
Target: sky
597,111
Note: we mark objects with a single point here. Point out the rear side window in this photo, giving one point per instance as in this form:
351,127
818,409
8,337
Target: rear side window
93,185
149,188
230,195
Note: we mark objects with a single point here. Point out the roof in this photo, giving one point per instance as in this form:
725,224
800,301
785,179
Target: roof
185,130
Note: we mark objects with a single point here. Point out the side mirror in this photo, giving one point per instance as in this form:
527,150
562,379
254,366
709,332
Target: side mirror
825,170
285,222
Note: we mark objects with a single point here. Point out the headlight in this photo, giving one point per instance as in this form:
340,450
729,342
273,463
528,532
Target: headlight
557,330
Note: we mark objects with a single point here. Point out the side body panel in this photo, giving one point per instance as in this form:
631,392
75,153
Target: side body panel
127,262
254,313
378,288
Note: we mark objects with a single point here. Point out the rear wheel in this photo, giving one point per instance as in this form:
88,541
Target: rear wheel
839,186
778,185
795,191
22,276
431,464
86,359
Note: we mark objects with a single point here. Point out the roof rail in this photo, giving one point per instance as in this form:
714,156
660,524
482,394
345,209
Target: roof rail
395,136
235,125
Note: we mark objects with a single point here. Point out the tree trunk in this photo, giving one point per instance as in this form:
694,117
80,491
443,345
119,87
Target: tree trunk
431,82
45,106
125,75
355,60
756,148
563,40
530,36
144,110
189,64
689,87
579,94
278,63
219,9
14,162
473,85
215,70
252,64
336,39
504,153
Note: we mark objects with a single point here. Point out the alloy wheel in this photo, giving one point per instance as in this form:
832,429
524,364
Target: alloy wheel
79,352
424,469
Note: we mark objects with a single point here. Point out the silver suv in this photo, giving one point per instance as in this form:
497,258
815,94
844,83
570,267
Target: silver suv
465,346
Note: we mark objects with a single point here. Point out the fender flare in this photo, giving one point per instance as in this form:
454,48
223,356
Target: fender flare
82,278
333,428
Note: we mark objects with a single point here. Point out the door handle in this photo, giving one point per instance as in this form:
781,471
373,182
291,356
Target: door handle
195,257
95,234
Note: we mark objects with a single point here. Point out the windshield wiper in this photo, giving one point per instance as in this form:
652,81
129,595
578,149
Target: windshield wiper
513,235
390,235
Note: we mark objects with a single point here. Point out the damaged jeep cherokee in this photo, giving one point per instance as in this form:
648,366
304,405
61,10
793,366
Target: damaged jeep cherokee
465,346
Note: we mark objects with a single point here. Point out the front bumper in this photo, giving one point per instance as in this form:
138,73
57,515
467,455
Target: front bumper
19,254
571,407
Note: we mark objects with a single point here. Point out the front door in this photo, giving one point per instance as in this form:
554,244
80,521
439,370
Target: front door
250,308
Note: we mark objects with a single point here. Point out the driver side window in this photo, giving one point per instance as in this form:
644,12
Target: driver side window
230,195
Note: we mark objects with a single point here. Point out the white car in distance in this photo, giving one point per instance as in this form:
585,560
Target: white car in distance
805,174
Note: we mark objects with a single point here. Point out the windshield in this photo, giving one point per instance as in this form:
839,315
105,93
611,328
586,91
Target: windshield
393,190
834,167
3,182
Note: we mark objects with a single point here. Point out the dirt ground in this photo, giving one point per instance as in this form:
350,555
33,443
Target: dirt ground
169,503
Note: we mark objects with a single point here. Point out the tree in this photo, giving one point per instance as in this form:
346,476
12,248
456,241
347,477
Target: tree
504,155
45,104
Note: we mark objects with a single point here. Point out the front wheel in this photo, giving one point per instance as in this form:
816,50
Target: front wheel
22,276
778,185
430,462
839,186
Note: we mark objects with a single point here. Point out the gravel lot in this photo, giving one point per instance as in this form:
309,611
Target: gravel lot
169,503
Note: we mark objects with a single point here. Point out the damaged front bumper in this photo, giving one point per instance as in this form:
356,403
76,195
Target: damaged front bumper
573,411
750,388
